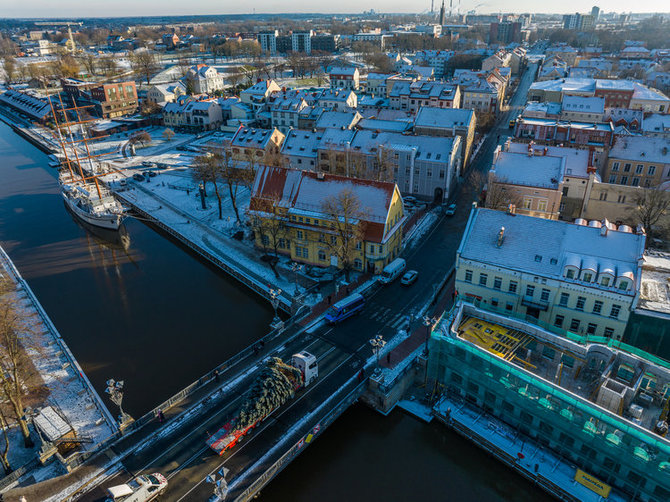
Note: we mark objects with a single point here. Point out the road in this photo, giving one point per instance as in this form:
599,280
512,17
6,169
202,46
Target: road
341,351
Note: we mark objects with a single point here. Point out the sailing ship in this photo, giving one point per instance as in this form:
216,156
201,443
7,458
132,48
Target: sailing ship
84,193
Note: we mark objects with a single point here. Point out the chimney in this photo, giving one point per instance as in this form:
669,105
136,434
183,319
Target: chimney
501,236
544,152
604,228
320,175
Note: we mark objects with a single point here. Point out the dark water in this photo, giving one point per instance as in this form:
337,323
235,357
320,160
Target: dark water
150,314
142,309
367,457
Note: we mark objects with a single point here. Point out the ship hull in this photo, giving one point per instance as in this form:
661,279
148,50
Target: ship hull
108,221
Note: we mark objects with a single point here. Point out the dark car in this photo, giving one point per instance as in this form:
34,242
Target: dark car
138,177
151,174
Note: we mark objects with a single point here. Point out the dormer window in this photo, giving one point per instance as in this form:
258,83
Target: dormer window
570,273
623,285
605,281
588,276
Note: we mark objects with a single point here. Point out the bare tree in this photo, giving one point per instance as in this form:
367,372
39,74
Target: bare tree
142,137
272,224
347,227
90,62
108,65
15,366
4,450
168,134
144,62
9,65
652,204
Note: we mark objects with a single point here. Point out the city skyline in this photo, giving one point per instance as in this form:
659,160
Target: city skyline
122,8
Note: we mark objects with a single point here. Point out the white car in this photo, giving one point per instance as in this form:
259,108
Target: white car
409,277
141,489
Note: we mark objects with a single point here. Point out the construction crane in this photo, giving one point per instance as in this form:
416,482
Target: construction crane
69,25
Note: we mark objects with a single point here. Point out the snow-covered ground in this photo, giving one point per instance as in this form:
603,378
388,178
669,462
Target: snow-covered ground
172,198
69,390
422,227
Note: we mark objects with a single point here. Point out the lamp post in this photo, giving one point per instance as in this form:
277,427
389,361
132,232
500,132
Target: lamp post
377,343
220,484
115,392
296,268
274,300
428,322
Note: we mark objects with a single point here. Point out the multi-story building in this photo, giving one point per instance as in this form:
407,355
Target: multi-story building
638,161
268,41
301,41
577,277
578,21
375,38
533,183
482,91
436,59
505,32
166,93
594,409
257,95
500,59
325,42
554,132
581,109
261,146
649,100
203,79
288,205
412,96
376,84
28,103
448,122
345,78
300,149
115,99
285,112
193,115
339,100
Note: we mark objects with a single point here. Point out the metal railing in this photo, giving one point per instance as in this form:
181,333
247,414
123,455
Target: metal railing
301,444
237,272
11,269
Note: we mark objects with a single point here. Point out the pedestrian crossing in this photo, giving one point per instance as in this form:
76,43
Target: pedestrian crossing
387,316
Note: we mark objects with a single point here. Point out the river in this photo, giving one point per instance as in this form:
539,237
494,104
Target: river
142,309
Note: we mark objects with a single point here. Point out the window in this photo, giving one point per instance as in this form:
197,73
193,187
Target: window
468,276
497,282
570,274
544,296
591,329
635,182
548,352
639,169
565,191
624,180
603,195
538,258
509,307
621,199
588,276
614,312
651,170
574,325
580,303
512,286
442,174
597,307
299,234
623,285
609,332
358,264
266,240
612,180
542,205
626,167
563,302
605,281
530,290
527,203
494,302
558,321
483,278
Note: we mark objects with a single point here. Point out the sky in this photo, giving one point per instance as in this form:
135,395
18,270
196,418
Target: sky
116,8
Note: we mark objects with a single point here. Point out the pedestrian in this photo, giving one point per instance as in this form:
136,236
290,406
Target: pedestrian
388,358
216,376
159,414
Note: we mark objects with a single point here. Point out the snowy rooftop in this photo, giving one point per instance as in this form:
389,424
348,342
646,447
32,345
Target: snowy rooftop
546,107
642,148
301,143
583,104
562,244
596,126
656,123
655,285
443,118
384,125
576,159
528,170
337,120
646,93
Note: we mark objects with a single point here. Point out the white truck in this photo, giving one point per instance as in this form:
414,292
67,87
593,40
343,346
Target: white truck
141,489
392,271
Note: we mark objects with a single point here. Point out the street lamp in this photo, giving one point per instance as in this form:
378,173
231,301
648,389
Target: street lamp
220,484
274,300
377,343
115,391
296,268
428,322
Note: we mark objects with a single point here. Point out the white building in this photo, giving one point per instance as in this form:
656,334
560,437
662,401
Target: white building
580,278
268,41
301,41
203,79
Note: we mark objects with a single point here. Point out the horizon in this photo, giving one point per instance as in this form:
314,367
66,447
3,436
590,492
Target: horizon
127,8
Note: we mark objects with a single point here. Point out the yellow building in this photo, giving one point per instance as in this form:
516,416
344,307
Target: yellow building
327,220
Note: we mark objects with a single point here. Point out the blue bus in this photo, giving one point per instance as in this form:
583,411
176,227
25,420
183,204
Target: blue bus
344,308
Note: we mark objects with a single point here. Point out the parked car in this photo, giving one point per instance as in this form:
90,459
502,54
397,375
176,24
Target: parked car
146,163
451,210
151,174
138,177
409,277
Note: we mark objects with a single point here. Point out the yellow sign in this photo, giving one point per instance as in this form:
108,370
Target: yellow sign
592,483
309,438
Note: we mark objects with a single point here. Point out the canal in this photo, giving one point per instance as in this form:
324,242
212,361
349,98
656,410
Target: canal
140,308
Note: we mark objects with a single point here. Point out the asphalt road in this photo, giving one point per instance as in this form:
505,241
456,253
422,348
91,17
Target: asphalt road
341,351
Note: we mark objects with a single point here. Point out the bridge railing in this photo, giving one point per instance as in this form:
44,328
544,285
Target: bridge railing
302,443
